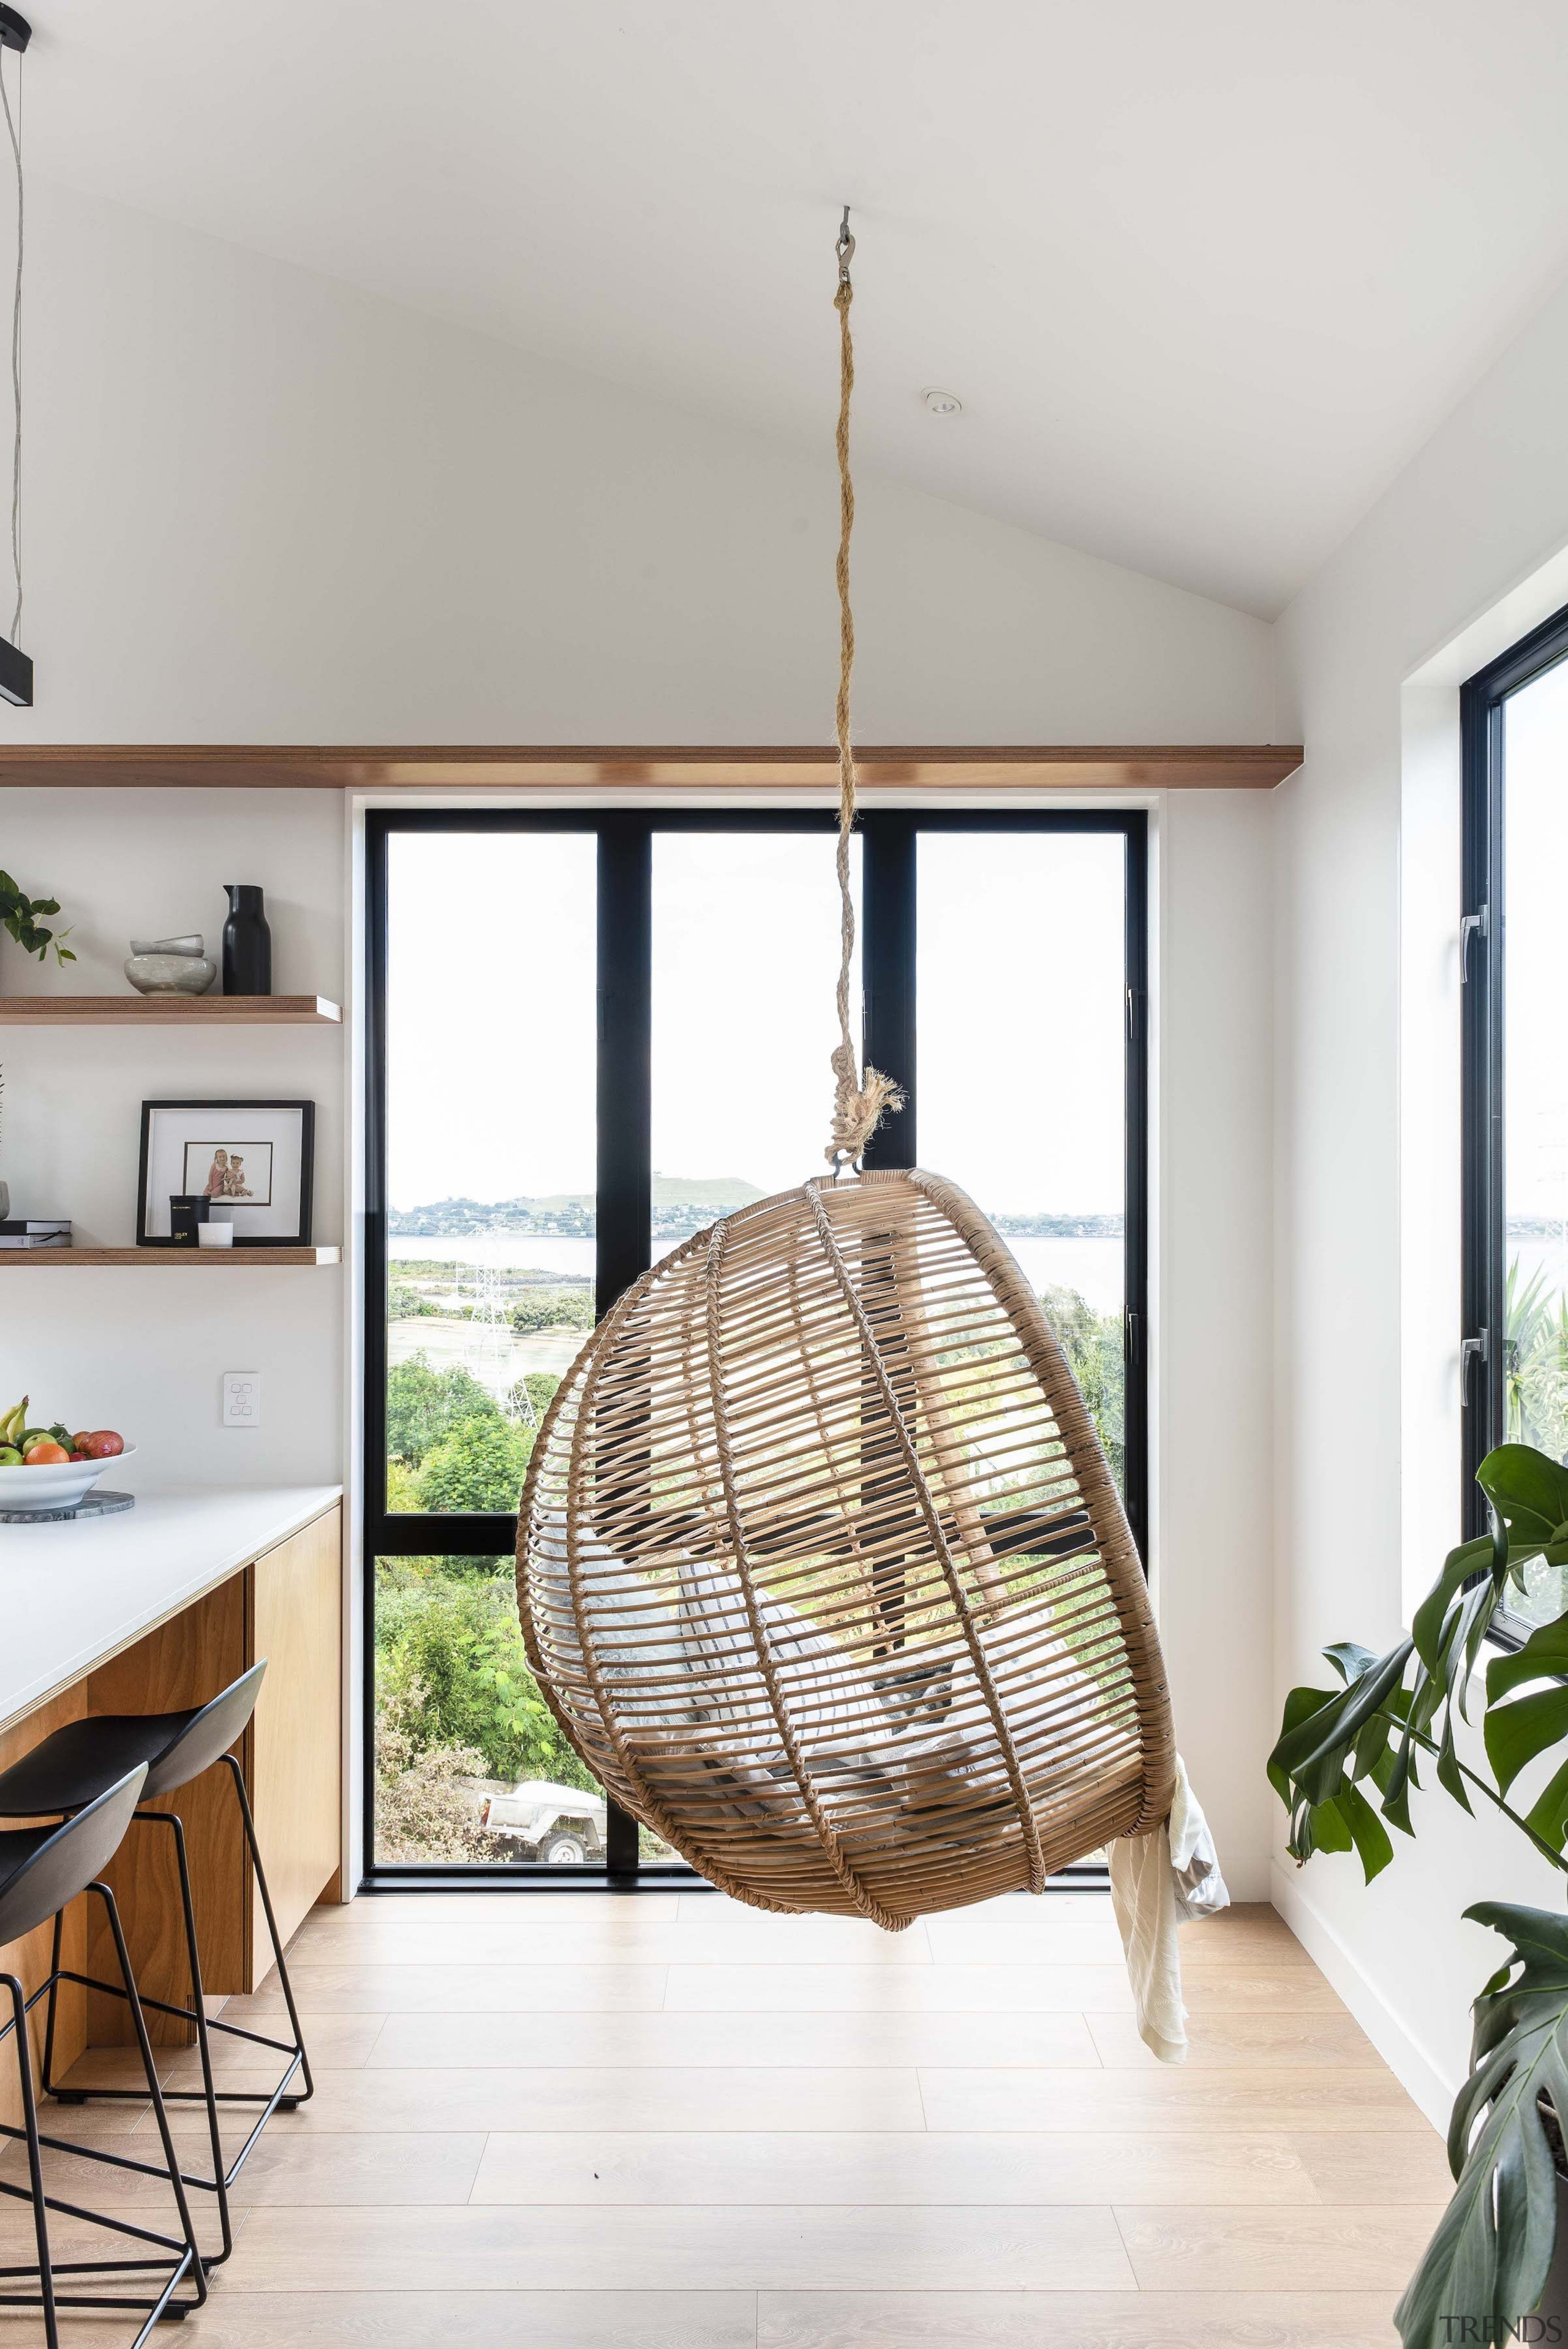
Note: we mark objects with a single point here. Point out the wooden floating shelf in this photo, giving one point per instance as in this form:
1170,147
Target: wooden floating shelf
651,768
168,1257
169,1011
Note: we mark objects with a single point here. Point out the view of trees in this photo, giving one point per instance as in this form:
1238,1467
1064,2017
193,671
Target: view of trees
1535,1367
455,1699
553,1309
1092,1343
456,1702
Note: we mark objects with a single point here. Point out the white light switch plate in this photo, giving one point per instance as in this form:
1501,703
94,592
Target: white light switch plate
241,1398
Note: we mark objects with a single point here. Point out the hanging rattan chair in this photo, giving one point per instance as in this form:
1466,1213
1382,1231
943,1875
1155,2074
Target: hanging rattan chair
822,1570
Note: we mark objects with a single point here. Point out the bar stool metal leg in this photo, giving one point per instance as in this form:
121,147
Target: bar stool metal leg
180,2255
224,2171
35,2151
290,2102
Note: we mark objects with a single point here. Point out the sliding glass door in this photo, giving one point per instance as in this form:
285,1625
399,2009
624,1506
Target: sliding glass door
590,1034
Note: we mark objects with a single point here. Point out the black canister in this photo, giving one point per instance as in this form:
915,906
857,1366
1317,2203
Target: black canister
186,1211
247,942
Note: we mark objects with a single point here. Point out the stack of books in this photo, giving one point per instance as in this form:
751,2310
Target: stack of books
35,1233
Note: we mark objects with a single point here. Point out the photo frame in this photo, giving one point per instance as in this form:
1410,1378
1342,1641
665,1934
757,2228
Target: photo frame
254,1160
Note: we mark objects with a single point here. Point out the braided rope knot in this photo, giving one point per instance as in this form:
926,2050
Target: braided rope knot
860,1101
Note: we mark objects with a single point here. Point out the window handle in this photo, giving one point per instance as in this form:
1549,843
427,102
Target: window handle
1471,1350
1477,924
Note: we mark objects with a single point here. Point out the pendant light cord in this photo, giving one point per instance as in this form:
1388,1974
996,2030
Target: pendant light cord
859,1100
14,125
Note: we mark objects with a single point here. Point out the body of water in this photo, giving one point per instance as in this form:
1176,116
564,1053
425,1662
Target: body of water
1092,1266
496,1357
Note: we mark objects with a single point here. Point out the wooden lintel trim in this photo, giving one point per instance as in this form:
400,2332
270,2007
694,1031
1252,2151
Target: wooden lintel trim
621,767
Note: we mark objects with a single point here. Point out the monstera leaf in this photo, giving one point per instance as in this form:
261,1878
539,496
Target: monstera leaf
1335,1741
1486,2265
1529,1495
1518,1728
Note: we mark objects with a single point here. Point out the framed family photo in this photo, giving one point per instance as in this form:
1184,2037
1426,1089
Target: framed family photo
250,1160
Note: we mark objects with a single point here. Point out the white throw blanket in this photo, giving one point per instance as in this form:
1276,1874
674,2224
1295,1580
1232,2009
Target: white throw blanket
1157,1882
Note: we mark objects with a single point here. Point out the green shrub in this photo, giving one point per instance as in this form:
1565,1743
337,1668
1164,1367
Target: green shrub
532,1393
478,1465
1093,1345
423,1810
451,1668
404,1303
553,1309
423,1405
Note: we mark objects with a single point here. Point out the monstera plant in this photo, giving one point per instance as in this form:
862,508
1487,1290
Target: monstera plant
1347,1760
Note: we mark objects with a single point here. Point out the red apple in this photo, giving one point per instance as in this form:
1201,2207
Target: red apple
103,1443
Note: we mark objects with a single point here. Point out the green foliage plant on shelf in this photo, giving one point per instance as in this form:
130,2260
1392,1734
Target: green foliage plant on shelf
1346,1761
20,913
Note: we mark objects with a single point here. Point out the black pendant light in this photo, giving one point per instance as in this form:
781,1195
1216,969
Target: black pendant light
15,668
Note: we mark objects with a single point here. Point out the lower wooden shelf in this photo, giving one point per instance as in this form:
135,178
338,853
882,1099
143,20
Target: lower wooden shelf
167,1256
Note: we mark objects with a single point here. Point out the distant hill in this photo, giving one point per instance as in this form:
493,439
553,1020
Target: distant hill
681,1202
704,1191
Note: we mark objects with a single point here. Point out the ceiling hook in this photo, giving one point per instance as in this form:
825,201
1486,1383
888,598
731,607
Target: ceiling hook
845,248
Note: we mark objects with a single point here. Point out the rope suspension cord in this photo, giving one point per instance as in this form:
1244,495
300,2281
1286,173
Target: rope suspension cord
859,1100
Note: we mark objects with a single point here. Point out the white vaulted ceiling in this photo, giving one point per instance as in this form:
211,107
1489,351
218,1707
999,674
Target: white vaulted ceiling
1204,276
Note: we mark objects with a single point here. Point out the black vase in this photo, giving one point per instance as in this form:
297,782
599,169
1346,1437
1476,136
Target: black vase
247,942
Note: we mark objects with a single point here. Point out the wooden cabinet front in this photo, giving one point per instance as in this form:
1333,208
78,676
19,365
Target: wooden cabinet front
287,1605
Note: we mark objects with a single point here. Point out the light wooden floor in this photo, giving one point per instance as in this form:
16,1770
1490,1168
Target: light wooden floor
667,2122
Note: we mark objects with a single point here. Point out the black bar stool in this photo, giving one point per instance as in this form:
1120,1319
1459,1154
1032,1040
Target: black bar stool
71,1769
41,1869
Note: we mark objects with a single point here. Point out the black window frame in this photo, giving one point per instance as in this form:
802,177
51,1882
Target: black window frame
889,839
1483,932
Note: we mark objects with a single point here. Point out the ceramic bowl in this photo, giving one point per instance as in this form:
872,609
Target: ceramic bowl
59,1487
193,944
170,967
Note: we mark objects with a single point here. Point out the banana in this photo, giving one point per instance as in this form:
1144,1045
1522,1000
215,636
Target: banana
15,1421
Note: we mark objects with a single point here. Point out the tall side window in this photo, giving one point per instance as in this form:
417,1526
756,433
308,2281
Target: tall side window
590,1034
1514,717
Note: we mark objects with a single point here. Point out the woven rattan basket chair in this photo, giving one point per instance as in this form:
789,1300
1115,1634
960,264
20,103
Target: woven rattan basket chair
822,1570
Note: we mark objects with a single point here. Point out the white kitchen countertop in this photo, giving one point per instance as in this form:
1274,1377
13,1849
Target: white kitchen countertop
75,1592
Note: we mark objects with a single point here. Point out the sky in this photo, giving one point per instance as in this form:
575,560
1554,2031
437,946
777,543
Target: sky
491,1012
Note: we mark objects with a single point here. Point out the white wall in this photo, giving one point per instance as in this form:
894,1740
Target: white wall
1213,1507
1456,561
262,507
142,1349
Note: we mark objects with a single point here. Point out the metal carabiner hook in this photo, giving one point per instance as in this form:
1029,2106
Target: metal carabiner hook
845,248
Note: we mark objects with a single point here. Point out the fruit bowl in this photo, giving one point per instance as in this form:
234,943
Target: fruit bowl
60,1485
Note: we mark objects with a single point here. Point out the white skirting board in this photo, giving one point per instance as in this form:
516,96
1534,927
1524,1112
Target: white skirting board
1405,2056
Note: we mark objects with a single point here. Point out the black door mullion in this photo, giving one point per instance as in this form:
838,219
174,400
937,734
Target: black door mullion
1135,1324
888,974
624,1207
623,1210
